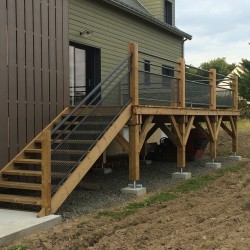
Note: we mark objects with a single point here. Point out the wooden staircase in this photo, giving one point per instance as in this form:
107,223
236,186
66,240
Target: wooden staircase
32,177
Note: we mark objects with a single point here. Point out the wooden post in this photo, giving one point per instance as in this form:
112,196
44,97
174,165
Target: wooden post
212,83
235,92
134,125
213,143
134,152
182,83
181,150
133,49
235,135
46,172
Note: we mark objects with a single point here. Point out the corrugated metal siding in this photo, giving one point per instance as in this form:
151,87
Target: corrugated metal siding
34,85
113,29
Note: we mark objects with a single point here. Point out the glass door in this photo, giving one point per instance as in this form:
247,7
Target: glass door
77,64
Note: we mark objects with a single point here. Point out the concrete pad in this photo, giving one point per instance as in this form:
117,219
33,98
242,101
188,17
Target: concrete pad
213,165
177,176
103,170
234,158
134,191
17,224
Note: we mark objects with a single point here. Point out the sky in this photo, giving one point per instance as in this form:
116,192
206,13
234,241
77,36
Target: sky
220,28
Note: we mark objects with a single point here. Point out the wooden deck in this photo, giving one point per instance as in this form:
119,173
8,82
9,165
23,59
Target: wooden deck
176,117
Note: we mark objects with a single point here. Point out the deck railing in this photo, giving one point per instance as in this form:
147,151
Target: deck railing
166,82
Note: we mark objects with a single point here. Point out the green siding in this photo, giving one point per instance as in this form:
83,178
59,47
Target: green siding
156,8
113,29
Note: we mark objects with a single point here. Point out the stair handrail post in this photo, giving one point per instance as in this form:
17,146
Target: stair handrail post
235,92
212,84
181,68
46,172
133,50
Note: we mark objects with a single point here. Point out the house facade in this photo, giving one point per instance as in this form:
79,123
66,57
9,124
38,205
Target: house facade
53,53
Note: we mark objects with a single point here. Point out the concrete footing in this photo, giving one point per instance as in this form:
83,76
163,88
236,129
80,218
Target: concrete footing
138,191
145,162
103,170
213,165
234,158
181,176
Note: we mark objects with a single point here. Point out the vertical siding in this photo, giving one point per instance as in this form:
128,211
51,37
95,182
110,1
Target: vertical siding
120,28
4,140
33,65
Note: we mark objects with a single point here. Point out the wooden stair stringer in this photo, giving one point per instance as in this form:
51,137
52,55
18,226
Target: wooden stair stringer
69,185
30,146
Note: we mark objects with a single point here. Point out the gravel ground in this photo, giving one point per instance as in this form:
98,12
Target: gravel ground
154,177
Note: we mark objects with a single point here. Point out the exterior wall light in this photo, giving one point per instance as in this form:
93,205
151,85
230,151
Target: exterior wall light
86,34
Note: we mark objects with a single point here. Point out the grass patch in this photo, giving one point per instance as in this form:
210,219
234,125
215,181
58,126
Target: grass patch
190,185
18,247
199,182
132,207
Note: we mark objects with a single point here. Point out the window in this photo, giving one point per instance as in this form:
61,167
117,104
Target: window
147,72
167,71
168,12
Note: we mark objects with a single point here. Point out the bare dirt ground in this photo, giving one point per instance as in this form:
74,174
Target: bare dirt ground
215,215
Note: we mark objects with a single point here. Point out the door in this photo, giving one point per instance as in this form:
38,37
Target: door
85,70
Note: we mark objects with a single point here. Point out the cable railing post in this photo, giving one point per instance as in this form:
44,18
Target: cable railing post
182,82
133,50
212,84
235,92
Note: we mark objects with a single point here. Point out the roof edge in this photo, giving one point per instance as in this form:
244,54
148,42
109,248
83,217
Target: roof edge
153,20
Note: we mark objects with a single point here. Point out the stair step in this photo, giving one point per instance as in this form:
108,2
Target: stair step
28,161
17,172
70,152
21,199
62,163
85,132
21,185
74,141
33,150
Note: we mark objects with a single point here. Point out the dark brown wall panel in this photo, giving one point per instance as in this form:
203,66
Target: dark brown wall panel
29,69
34,84
3,84
21,75
45,62
12,50
37,66
59,55
52,58
65,41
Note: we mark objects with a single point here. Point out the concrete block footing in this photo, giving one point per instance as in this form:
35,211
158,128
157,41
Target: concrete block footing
213,165
235,158
181,176
135,191
103,170
145,162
